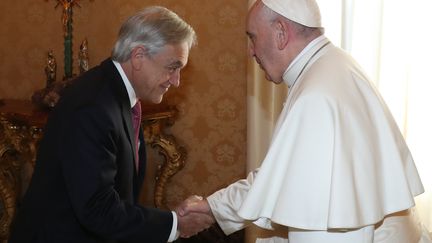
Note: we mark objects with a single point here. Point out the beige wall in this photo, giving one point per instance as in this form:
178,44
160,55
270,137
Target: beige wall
212,96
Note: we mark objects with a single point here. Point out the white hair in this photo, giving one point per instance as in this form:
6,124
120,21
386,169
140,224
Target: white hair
153,27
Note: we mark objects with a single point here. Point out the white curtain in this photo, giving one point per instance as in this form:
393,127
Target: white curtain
392,41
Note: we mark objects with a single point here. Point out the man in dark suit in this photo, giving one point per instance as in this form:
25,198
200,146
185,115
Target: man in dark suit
88,174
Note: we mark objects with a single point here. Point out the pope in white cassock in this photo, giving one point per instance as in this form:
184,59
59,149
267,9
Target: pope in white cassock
338,169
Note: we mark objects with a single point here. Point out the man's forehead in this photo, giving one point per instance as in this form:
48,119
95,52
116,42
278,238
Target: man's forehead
177,56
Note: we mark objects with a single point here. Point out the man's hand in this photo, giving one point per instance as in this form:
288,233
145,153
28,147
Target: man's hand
194,216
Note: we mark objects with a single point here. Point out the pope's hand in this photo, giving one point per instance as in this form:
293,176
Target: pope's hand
194,216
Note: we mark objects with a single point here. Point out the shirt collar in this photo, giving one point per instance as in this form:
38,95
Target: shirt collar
297,65
131,92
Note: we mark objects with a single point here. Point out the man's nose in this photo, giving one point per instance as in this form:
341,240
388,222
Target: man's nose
175,79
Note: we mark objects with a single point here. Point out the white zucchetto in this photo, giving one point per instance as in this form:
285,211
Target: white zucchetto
305,12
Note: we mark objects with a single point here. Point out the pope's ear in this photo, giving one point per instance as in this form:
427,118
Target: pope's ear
282,34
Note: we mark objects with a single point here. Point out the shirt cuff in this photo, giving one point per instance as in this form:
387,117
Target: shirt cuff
174,232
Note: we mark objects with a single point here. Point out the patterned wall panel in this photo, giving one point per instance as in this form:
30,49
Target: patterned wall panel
211,98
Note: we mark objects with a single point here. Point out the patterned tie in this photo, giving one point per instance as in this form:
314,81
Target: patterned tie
136,121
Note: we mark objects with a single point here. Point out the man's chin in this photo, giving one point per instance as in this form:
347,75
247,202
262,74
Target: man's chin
157,100
154,100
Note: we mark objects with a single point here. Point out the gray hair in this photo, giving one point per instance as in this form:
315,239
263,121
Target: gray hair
153,27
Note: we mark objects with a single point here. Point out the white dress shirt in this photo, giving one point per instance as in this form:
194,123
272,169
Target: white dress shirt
133,100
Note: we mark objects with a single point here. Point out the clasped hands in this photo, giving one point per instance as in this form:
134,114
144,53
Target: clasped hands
194,215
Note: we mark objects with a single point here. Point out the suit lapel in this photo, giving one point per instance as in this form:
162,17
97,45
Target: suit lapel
124,102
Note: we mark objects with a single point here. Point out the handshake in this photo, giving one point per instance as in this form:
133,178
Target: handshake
194,215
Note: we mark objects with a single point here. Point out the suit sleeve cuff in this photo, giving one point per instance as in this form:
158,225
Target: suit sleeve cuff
174,232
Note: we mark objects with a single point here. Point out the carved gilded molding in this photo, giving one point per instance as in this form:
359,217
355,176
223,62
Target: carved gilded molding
18,144
175,159
166,145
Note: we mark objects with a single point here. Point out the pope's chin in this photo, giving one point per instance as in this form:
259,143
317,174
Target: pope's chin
273,80
270,79
266,75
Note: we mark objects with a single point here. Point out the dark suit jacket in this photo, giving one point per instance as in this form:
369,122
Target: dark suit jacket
85,186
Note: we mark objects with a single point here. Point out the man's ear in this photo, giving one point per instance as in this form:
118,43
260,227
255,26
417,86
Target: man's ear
138,55
282,34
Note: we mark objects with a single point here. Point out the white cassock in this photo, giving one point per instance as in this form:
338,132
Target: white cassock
337,162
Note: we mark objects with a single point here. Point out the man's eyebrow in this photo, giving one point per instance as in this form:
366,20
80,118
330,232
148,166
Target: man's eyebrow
176,64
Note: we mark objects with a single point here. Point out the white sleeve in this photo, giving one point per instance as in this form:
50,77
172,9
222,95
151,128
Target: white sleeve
226,202
174,232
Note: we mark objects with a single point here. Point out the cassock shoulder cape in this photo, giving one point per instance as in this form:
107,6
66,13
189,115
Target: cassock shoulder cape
337,158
